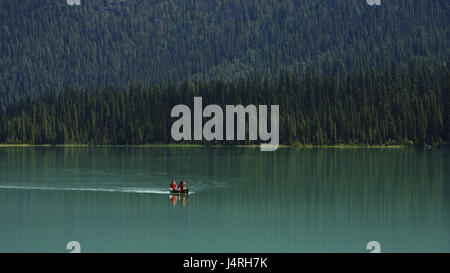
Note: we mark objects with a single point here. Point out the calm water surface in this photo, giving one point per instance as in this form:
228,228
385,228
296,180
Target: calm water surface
243,200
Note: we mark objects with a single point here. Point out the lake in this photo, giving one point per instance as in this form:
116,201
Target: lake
115,199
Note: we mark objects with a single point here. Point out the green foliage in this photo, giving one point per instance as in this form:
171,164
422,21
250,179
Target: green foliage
47,46
390,107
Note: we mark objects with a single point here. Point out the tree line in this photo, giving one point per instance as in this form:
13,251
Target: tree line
393,106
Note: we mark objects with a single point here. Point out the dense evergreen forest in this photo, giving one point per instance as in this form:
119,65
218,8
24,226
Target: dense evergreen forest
110,71
368,107
49,46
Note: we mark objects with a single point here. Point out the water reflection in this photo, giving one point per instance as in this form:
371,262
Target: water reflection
181,198
331,200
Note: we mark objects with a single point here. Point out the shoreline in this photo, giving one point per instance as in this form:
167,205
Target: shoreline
172,145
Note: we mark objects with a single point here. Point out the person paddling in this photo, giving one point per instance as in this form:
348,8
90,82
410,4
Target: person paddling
173,185
182,186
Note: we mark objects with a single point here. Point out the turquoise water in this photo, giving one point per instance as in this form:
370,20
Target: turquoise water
243,200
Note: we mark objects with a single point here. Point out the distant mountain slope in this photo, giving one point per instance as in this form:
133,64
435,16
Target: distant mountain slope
46,45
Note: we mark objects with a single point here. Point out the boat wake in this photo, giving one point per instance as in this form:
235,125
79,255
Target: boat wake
93,189
201,184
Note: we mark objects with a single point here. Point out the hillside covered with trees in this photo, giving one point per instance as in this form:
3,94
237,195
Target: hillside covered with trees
49,46
390,107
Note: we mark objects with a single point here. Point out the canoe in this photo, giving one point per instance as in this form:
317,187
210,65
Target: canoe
178,192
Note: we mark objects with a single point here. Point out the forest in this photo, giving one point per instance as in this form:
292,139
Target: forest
110,71
396,106
49,46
